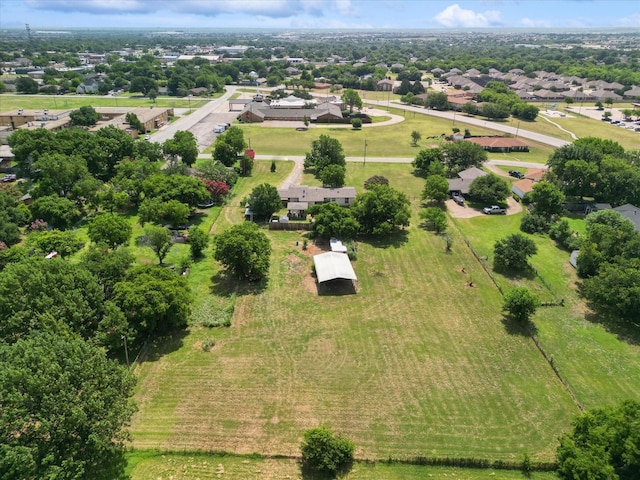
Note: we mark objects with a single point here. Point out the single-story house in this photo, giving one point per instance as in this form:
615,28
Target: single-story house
631,212
88,86
500,144
297,198
461,185
261,111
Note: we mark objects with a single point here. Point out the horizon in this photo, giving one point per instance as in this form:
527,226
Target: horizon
386,15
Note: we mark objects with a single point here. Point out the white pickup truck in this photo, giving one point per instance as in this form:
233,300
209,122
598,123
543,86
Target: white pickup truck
494,210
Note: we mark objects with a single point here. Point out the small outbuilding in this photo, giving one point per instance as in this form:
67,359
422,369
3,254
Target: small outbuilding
334,267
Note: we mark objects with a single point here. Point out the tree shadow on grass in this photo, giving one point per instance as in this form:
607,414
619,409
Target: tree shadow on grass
157,347
625,330
223,284
527,273
309,473
518,328
395,240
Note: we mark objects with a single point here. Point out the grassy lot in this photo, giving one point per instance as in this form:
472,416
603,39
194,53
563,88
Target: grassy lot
416,363
61,102
601,365
385,141
154,466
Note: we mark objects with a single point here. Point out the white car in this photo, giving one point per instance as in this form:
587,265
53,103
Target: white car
219,129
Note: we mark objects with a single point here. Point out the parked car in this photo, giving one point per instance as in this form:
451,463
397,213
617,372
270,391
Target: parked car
494,210
219,129
516,174
459,199
10,177
606,119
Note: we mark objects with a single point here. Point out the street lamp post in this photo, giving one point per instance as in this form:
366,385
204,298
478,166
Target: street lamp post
364,158
517,128
126,351
189,98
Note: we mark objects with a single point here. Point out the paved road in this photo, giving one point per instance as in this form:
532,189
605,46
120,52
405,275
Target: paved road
201,121
462,118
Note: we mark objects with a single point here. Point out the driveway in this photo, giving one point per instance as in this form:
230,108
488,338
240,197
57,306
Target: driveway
458,211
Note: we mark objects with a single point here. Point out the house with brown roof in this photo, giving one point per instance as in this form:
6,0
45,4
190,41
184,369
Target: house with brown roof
500,144
384,85
261,111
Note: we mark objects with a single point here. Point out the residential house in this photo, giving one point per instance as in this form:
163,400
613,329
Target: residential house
90,85
631,212
500,144
384,85
298,198
461,184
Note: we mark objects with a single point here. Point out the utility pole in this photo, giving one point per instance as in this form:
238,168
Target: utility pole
364,158
126,351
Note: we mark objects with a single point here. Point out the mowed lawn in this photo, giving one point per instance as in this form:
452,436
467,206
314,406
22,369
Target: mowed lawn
600,364
153,466
382,141
417,363
60,102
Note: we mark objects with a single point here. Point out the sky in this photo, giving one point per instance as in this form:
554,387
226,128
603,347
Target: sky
331,14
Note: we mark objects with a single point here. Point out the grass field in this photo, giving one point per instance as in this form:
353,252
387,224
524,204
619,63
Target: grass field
417,363
387,141
61,102
154,466
601,365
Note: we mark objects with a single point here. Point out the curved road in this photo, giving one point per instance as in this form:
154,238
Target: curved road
519,132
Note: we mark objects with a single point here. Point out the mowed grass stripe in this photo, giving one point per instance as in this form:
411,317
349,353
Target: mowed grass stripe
416,363
601,366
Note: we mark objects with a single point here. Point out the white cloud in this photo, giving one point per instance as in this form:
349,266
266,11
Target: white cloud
267,8
344,7
528,22
453,16
632,20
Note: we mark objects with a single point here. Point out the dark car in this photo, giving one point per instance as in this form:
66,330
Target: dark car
516,174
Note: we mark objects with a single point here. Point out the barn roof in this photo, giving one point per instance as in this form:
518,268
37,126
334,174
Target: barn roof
333,266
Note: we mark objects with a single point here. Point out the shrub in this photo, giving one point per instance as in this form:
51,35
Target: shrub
325,452
534,223
208,343
356,123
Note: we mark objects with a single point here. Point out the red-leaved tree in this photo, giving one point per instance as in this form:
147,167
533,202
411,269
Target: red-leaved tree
217,189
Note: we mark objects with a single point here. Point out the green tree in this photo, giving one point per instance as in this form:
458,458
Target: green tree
198,241
589,259
356,123
159,239
462,155
155,300
48,294
333,176
427,157
436,188
70,405
143,85
183,145
224,152
326,452
615,288
332,220
188,190
351,98
324,151
602,445
84,117
513,252
415,138
108,266
110,229
375,180
26,85
490,189
548,199
58,173
381,210
521,303
435,217
64,243
58,212
264,200
437,101
244,250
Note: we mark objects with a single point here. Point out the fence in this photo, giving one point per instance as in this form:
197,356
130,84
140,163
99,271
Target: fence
290,226
536,341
